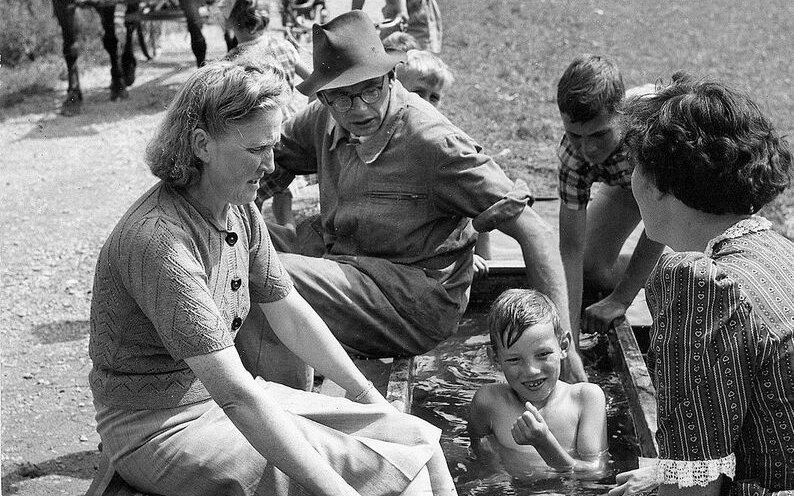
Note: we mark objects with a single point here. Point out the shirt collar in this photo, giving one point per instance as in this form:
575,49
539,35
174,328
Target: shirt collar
369,150
750,225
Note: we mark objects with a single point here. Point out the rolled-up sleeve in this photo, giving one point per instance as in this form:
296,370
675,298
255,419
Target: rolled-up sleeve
471,184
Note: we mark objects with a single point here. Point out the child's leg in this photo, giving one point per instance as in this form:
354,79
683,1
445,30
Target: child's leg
611,217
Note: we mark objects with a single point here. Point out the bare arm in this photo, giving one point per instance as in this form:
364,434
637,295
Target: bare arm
479,426
303,331
573,224
600,315
712,489
268,428
545,273
591,437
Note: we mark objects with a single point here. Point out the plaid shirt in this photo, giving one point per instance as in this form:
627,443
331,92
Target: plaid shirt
576,175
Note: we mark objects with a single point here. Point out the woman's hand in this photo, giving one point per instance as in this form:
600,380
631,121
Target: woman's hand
530,428
637,481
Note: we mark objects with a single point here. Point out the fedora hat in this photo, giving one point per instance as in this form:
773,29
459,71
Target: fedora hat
346,51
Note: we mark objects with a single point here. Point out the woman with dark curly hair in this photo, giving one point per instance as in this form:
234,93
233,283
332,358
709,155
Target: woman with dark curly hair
177,412
722,342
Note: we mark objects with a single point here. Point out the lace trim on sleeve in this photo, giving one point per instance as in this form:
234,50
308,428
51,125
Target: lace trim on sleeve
694,472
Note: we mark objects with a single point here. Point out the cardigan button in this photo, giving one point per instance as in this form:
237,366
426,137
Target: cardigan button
231,238
236,283
236,323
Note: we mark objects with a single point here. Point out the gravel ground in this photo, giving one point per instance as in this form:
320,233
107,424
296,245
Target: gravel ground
66,181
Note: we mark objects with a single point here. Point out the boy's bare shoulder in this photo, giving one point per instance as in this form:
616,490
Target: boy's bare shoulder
492,393
588,392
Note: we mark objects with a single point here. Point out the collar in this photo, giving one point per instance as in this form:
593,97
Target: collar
750,225
369,150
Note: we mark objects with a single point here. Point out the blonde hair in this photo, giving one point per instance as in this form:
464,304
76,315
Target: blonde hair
427,67
214,97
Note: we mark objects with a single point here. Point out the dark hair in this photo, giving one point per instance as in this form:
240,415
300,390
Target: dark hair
248,15
515,311
589,86
708,145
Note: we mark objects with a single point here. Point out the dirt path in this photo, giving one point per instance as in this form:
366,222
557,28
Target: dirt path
65,183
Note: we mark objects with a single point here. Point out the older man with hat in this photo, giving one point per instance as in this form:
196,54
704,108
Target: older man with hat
403,193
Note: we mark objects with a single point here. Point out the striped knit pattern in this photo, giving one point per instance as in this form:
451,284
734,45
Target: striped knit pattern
168,286
722,358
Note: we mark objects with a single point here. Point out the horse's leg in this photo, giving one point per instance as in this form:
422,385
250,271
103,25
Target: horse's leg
197,41
230,39
64,12
128,62
110,41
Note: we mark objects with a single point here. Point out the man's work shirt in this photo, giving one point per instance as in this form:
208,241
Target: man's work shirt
406,194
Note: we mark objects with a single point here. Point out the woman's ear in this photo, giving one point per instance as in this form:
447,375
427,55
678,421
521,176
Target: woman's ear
200,143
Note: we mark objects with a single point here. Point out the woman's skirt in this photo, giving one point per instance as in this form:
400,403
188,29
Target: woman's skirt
196,450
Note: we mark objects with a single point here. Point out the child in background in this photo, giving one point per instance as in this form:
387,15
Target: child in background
423,18
593,233
400,41
425,74
249,20
535,420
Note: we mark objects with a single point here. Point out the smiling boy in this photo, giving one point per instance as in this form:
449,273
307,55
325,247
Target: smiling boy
592,233
535,420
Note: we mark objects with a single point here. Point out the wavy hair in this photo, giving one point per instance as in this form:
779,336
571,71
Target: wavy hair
589,86
213,98
708,145
515,311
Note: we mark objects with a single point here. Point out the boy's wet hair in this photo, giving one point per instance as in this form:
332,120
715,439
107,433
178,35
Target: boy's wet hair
515,311
591,85
708,145
427,67
249,15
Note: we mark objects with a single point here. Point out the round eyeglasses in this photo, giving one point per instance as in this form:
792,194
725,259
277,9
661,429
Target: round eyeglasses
344,102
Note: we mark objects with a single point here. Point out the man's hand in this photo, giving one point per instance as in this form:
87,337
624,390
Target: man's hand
530,428
572,367
600,315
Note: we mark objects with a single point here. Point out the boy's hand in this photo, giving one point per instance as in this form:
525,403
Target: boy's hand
530,428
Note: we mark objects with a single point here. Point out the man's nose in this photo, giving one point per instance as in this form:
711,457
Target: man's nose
268,163
358,103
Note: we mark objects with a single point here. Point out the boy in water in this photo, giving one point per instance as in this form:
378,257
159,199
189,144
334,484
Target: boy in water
535,419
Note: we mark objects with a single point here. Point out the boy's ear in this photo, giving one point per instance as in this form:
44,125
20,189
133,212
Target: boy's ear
566,341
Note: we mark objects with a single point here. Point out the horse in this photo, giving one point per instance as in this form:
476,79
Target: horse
122,67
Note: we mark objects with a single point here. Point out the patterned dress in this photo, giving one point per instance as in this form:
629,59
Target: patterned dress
722,360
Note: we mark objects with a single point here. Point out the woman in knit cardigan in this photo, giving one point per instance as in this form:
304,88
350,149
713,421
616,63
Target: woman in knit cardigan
176,410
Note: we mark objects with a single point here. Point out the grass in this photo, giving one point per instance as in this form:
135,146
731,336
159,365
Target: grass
507,56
